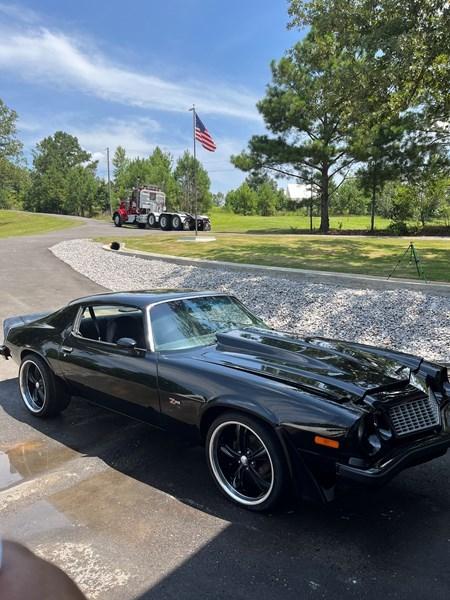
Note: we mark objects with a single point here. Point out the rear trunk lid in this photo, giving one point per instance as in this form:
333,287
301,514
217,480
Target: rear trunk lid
12,322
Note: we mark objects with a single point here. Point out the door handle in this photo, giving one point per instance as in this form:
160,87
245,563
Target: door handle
66,349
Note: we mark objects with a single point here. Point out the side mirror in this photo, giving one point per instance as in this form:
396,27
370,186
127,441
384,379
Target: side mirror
126,343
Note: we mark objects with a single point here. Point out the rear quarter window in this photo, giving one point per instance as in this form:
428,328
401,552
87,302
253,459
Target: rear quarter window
62,318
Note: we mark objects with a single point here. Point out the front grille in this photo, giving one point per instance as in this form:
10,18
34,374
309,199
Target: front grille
415,415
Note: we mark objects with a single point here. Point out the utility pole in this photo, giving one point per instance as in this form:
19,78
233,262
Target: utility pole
109,181
311,205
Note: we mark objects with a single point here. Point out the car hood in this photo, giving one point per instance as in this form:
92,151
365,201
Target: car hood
343,371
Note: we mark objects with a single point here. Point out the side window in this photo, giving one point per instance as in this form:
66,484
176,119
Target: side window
110,323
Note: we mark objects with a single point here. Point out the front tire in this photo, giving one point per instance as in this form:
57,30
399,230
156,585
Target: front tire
42,393
117,220
246,461
151,220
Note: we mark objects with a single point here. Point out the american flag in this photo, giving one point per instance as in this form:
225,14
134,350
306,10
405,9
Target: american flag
203,136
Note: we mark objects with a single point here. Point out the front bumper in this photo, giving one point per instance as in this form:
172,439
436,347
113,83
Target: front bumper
380,473
4,351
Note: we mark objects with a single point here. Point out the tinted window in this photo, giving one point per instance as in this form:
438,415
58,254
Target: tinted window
194,322
110,323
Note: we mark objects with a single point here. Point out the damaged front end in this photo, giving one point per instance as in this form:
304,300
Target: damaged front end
404,427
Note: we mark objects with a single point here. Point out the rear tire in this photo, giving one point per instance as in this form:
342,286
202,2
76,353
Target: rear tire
43,394
164,222
117,220
177,223
246,461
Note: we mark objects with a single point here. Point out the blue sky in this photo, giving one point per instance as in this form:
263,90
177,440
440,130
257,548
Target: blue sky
126,72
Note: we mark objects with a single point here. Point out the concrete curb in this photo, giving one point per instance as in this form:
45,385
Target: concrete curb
310,276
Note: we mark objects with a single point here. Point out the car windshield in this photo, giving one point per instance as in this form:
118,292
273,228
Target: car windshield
192,322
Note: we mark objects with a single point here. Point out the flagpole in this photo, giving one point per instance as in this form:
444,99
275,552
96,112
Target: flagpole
195,170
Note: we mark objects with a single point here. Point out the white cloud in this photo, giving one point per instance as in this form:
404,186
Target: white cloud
19,13
50,57
137,136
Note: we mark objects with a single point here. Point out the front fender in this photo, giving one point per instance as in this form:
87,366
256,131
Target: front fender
231,402
304,484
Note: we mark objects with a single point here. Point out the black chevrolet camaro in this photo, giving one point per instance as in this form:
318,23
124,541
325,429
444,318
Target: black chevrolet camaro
277,414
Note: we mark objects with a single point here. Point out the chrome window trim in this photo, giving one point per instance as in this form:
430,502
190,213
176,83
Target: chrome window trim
76,325
167,301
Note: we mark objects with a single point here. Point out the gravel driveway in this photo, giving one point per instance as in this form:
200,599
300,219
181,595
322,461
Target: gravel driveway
406,320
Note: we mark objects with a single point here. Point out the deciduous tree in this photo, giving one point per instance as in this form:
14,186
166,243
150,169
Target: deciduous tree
63,177
10,146
187,171
242,201
13,172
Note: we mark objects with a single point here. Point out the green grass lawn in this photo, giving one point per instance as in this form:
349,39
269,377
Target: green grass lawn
227,222
372,256
14,222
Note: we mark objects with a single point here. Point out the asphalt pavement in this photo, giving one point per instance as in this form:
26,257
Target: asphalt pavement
130,512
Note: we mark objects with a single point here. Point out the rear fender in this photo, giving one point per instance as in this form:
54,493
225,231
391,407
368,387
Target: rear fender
12,322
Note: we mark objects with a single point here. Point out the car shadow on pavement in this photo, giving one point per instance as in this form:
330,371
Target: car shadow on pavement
363,531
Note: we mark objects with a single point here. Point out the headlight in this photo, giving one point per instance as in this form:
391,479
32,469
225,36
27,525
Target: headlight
373,432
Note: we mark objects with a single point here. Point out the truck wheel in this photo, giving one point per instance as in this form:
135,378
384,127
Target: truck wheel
117,220
164,222
207,226
186,225
151,220
176,223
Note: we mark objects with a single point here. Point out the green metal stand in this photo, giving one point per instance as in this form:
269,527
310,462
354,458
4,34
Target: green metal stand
411,254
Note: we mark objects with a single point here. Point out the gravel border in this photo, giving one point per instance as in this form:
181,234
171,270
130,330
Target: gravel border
411,321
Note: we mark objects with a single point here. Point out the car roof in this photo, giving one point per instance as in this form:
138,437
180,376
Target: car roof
143,298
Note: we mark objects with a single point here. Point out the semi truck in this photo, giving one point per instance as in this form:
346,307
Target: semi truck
146,207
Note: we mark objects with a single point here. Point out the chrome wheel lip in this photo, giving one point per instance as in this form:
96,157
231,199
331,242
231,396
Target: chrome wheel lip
24,389
220,477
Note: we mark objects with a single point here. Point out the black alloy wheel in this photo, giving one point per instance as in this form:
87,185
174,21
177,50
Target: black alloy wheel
246,461
42,394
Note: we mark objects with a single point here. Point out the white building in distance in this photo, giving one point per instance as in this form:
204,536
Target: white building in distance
298,192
